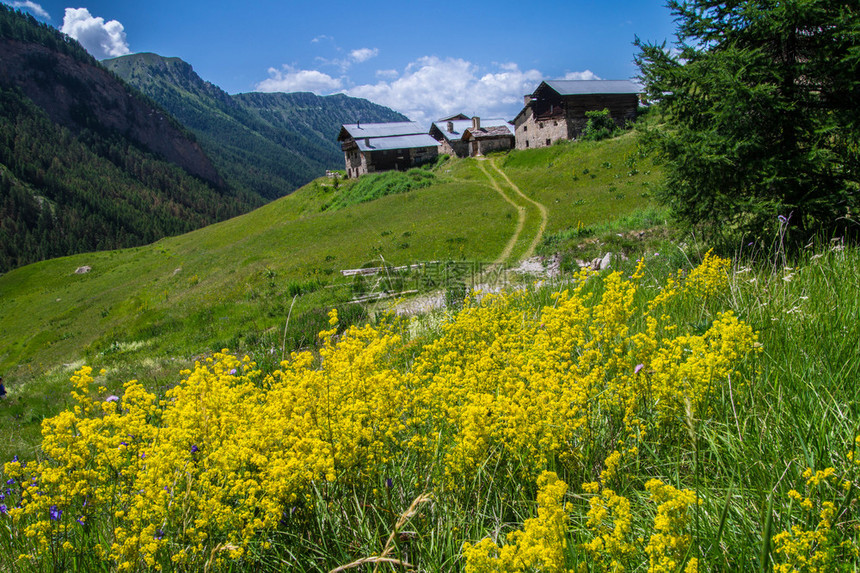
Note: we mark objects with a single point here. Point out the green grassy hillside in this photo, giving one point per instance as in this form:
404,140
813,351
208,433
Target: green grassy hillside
687,413
143,311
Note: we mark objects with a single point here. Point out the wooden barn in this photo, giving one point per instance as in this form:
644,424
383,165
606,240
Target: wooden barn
470,137
372,147
556,109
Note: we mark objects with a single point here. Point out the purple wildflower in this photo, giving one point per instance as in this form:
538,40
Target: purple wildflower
389,482
232,371
638,368
112,398
194,448
159,534
10,481
3,509
15,458
55,513
80,520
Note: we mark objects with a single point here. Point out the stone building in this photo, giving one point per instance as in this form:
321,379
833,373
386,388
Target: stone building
484,139
556,109
372,147
452,134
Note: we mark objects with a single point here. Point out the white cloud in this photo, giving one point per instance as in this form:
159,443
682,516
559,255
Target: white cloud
320,38
101,39
363,54
355,57
32,7
431,87
586,75
427,88
289,79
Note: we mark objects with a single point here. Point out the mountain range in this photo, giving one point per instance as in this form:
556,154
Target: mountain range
90,162
269,143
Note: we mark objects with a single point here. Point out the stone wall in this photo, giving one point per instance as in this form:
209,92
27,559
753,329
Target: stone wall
445,147
485,146
356,162
532,132
461,148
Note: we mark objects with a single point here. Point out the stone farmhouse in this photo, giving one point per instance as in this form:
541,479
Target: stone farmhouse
472,137
556,109
385,146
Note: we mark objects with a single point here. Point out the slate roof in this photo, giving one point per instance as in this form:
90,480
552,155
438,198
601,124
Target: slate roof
396,142
488,132
582,87
461,125
362,130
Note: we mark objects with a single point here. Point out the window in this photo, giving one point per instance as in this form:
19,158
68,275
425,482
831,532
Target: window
540,125
548,142
527,143
525,128
555,123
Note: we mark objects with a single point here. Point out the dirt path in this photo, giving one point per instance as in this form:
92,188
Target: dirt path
521,215
540,206
431,300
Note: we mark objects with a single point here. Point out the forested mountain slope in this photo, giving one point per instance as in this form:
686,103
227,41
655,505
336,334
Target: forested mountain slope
88,163
270,143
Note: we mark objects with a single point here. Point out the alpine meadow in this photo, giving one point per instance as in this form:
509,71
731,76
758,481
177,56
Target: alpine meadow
633,348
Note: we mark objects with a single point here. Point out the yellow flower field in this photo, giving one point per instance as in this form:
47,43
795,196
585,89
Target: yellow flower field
562,401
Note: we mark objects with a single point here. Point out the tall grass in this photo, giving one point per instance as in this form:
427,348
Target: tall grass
377,185
754,452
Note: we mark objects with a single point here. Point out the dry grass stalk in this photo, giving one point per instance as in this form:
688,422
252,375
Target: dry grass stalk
376,560
410,512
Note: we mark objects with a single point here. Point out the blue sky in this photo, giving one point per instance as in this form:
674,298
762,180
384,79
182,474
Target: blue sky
424,59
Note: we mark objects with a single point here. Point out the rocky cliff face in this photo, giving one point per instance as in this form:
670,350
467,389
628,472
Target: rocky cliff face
82,95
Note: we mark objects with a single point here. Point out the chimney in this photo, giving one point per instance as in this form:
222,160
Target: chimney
358,123
450,127
367,142
476,122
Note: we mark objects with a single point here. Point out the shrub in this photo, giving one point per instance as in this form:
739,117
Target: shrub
600,125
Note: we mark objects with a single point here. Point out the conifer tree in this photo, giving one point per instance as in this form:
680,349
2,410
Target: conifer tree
760,102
